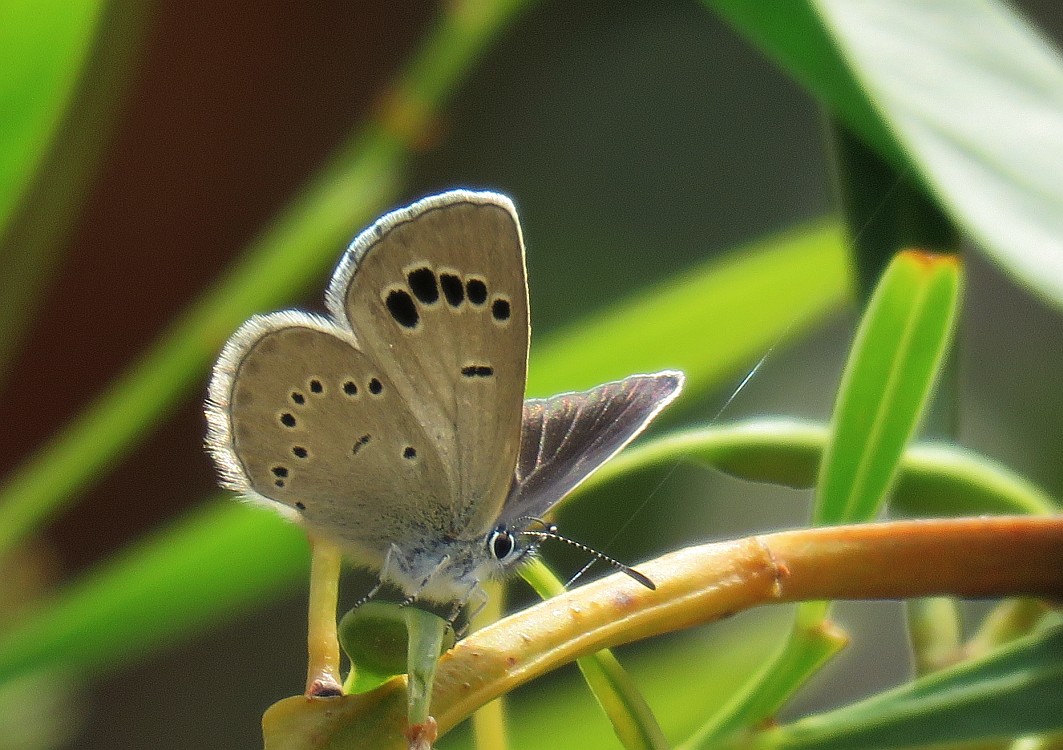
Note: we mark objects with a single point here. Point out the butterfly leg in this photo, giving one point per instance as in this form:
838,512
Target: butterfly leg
481,597
389,557
323,663
425,581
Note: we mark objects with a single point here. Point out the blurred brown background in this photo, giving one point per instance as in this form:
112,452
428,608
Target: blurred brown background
635,139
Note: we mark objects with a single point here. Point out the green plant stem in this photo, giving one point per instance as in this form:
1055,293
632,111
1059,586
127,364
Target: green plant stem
934,633
489,722
297,247
965,557
426,632
632,718
1010,620
806,650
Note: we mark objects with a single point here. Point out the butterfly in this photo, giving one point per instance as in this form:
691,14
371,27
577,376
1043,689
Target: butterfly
396,425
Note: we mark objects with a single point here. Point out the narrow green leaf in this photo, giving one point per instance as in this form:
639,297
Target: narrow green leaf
1014,691
710,321
631,717
887,381
935,479
43,46
219,561
32,243
898,348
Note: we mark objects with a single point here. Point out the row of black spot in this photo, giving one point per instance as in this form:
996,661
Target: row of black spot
349,387
426,288
281,472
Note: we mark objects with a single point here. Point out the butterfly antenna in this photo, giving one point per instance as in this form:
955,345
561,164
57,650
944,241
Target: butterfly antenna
551,533
519,521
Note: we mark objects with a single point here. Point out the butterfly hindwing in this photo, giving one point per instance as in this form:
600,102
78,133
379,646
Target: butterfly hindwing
315,425
564,439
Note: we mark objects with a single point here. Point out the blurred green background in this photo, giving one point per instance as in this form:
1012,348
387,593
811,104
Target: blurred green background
636,139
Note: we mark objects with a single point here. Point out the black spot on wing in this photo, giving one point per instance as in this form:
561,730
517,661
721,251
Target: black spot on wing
402,308
500,309
477,291
453,289
423,285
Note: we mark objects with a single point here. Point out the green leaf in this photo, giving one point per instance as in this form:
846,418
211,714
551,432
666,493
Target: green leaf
899,346
934,479
218,561
32,243
1014,691
975,95
375,637
43,47
72,628
966,92
710,321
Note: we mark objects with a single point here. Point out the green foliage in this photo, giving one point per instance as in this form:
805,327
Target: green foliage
43,48
901,79
1013,691
375,637
899,347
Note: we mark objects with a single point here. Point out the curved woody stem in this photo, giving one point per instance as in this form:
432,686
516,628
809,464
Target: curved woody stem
974,557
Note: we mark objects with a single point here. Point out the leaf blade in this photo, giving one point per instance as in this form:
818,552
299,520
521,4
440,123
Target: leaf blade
899,347
1014,691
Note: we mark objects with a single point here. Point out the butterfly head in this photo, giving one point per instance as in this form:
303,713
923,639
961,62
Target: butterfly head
497,554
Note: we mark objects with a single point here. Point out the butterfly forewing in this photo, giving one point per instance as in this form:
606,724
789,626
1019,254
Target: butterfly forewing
316,425
436,296
567,437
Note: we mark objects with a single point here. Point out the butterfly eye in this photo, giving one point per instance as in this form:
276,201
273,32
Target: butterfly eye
501,544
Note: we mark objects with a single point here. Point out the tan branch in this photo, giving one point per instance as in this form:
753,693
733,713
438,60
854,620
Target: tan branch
975,557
